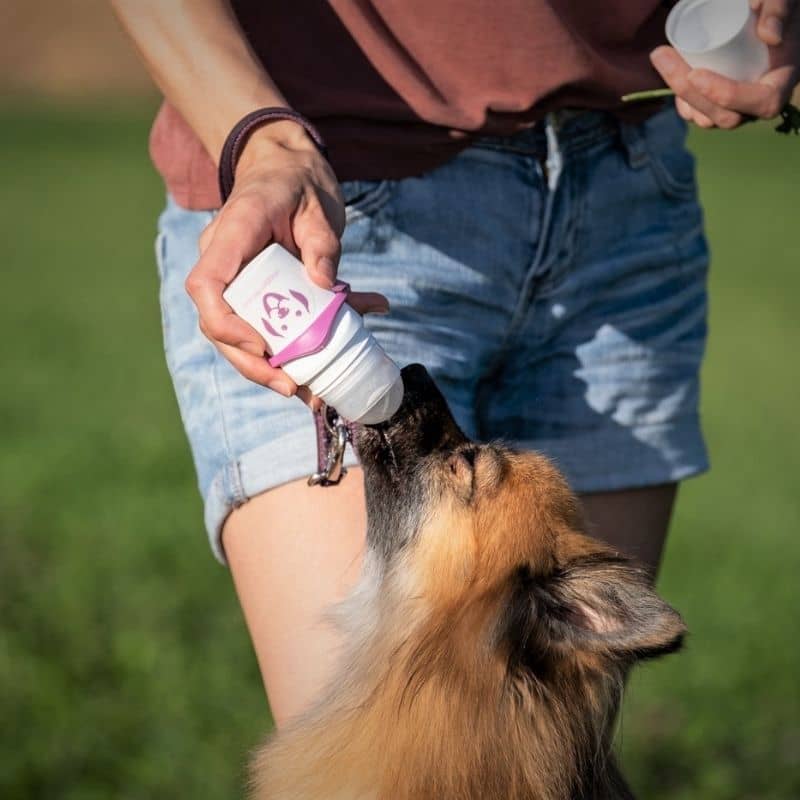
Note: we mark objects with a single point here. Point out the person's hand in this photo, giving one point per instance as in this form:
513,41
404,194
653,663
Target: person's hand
285,192
711,100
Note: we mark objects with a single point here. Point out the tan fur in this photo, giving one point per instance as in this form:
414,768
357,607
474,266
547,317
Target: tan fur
424,705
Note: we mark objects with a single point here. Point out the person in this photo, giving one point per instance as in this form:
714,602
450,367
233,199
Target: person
540,245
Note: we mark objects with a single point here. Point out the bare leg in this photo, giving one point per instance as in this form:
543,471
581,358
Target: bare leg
293,551
635,521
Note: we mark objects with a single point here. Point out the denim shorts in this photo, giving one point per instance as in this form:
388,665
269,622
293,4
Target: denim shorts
553,283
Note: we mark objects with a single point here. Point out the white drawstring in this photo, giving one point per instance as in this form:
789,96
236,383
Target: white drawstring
555,160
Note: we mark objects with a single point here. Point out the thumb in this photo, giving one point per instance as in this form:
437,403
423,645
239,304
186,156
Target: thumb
319,246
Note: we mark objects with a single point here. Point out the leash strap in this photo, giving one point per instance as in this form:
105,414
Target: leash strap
333,434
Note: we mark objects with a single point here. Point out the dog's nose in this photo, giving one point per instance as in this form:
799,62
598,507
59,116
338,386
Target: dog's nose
419,391
426,409
417,379
422,425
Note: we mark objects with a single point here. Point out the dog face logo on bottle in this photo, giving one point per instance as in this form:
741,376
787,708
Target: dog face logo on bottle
288,315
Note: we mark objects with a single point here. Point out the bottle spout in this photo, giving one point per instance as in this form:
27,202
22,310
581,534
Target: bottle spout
385,406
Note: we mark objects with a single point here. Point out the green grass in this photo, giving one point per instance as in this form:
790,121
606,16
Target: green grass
125,670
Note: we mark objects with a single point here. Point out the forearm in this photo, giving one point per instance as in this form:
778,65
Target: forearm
198,56
285,190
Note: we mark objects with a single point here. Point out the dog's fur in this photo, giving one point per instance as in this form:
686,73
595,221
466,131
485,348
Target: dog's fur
488,639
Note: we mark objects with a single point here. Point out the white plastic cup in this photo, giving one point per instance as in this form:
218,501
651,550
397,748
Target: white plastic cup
349,371
719,35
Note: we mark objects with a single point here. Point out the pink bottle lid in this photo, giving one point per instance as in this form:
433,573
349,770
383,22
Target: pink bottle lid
316,335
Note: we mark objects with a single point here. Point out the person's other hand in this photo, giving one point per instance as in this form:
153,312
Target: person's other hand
285,192
711,100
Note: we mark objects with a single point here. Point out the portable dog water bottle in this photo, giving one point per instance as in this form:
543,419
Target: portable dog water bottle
317,339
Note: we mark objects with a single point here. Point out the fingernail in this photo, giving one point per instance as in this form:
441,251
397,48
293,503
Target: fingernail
663,61
700,81
684,112
326,268
774,27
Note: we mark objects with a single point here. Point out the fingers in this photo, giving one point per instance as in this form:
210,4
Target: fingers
772,18
368,302
216,319
704,111
237,234
319,245
264,211
258,370
760,99
311,400
691,115
712,100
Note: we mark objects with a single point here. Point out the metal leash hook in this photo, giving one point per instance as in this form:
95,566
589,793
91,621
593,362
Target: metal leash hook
333,435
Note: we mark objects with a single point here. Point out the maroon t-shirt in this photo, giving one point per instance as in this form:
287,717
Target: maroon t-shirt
397,87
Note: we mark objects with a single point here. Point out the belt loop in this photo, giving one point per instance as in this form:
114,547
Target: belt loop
635,144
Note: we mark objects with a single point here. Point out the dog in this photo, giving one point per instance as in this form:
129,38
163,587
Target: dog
487,641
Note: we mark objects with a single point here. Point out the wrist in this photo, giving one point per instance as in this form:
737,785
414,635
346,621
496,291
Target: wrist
272,138
286,138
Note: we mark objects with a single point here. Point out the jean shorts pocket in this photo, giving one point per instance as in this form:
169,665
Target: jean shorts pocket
674,172
671,163
364,197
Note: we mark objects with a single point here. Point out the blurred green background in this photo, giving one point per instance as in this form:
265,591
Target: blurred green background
125,670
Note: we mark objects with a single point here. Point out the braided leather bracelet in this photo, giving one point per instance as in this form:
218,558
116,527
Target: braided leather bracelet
241,131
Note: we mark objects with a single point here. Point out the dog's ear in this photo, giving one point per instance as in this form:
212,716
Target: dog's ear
600,603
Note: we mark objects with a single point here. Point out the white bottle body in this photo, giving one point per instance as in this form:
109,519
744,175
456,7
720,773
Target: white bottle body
350,372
